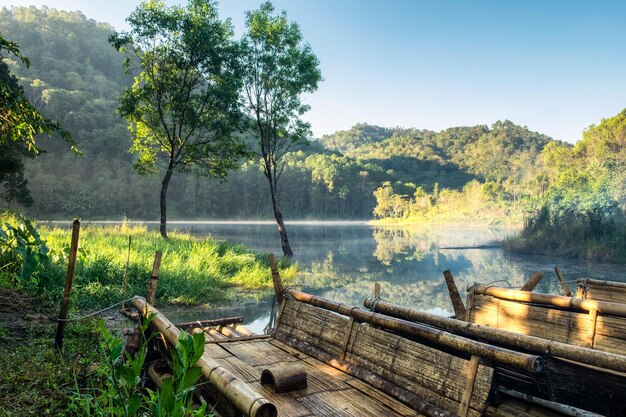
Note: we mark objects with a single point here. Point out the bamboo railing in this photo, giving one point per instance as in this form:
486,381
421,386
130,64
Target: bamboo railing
534,344
233,389
530,363
561,301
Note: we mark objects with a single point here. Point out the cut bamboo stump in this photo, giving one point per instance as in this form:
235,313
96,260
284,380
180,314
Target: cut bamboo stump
285,378
566,290
532,282
455,297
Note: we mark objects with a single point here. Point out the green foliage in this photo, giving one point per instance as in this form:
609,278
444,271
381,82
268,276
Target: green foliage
20,121
183,106
193,270
581,210
118,389
23,254
174,398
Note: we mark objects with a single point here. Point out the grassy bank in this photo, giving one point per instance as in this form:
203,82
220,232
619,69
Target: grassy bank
574,238
193,270
40,381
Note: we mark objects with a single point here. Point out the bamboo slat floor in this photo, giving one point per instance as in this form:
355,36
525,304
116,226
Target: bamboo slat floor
329,392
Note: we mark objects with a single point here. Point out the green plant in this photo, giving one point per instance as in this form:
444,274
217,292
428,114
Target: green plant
23,251
118,391
174,398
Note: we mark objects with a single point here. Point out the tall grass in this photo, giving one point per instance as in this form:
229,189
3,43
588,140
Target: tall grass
193,270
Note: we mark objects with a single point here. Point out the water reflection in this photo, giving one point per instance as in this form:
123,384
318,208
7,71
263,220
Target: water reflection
342,261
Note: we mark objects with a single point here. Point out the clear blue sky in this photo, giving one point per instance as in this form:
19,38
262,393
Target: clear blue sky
554,66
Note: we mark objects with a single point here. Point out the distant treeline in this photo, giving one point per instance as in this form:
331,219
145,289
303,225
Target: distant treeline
502,172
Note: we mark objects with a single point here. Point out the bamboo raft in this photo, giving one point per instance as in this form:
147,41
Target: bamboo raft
355,363
580,340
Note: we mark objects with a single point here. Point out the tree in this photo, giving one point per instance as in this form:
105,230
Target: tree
278,69
20,123
183,106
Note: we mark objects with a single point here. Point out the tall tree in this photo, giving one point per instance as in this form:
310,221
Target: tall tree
278,68
183,106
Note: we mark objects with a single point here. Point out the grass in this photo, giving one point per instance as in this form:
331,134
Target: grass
193,270
36,380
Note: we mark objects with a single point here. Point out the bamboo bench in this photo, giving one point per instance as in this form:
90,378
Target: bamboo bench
438,375
582,322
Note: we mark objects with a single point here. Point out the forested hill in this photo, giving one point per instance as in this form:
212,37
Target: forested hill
76,77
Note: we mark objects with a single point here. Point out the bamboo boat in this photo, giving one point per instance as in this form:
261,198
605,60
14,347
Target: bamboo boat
580,340
328,359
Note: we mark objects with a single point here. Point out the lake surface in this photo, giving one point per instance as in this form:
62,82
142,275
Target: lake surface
343,260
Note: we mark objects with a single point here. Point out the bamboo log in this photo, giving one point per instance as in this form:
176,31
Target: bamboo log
278,284
416,402
154,278
566,289
604,307
285,378
561,408
455,297
67,289
233,389
597,282
534,344
531,363
469,387
209,323
532,282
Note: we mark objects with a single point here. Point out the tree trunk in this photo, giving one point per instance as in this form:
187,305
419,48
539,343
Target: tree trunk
282,231
164,184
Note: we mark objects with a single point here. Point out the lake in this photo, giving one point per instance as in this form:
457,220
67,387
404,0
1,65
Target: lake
343,260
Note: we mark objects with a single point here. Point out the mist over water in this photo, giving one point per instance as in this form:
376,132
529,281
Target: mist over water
343,260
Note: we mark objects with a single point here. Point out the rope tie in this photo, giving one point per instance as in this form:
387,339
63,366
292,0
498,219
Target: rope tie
95,312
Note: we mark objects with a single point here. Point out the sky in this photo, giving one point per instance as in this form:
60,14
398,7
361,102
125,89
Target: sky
554,66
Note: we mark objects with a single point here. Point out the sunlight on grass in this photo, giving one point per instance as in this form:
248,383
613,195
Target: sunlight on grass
193,270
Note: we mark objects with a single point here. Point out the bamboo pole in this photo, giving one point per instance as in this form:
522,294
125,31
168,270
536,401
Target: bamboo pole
615,309
65,302
597,282
566,289
532,282
530,363
130,239
534,344
243,397
154,278
278,284
472,370
406,396
208,323
455,297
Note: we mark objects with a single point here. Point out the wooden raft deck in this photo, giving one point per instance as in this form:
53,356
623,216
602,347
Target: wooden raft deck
329,392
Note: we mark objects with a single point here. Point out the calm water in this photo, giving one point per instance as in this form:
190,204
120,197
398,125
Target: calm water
343,260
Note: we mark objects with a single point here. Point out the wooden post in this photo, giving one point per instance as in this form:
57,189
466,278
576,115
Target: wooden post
591,330
532,282
154,279
65,302
455,297
566,289
126,274
472,370
377,290
278,285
